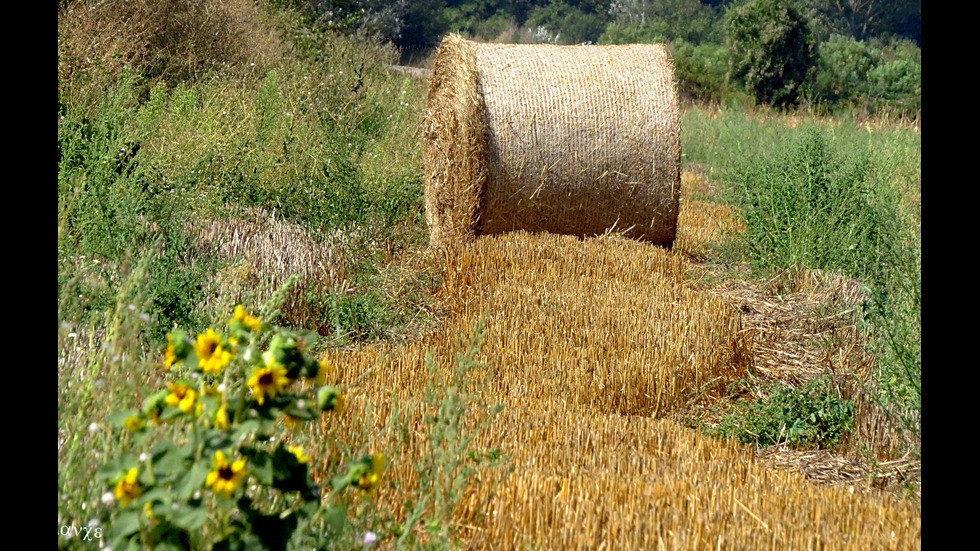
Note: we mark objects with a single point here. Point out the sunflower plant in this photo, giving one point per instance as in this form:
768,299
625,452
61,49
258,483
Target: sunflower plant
212,473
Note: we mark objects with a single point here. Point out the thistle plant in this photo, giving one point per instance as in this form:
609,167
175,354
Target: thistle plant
212,473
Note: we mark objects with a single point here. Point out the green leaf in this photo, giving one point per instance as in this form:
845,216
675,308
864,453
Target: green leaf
244,429
335,519
108,471
126,523
167,459
290,475
193,479
190,518
260,465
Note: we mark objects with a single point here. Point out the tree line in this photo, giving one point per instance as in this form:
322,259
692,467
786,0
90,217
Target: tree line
822,53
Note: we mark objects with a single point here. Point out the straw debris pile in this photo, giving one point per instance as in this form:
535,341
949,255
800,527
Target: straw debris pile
579,140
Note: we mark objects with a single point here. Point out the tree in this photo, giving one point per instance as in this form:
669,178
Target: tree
772,50
863,19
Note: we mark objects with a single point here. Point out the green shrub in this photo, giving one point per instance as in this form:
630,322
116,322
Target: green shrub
881,78
843,68
701,70
772,49
897,85
617,33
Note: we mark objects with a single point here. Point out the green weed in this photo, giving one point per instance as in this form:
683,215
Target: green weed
809,206
813,416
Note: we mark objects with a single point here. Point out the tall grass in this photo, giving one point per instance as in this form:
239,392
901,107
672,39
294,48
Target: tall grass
325,144
183,192
833,195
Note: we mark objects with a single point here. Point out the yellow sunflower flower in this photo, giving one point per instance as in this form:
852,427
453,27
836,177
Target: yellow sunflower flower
134,423
247,319
128,489
226,477
298,452
371,479
268,381
169,357
221,421
211,353
181,396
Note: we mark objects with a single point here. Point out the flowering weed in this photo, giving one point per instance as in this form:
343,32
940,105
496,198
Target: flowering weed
207,469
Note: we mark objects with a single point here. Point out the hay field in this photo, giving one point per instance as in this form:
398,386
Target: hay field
594,344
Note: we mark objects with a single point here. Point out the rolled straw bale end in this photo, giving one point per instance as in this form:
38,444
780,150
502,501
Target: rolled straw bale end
456,145
580,140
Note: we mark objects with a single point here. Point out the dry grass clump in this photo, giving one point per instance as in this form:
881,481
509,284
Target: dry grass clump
264,252
577,140
172,39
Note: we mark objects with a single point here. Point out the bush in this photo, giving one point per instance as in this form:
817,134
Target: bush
701,70
772,49
843,68
617,33
897,85
885,78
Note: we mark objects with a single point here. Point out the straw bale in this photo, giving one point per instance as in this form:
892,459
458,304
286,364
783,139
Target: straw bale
579,140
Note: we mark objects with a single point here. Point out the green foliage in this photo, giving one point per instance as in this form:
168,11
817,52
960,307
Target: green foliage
110,211
772,50
701,70
568,23
864,20
807,205
423,24
843,67
870,182
326,143
617,33
895,314
205,468
813,416
897,83
484,19
887,78
669,20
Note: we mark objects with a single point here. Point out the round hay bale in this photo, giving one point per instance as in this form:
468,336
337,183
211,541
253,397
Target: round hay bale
579,140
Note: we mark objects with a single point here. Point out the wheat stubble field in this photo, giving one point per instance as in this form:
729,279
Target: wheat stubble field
595,344
527,390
